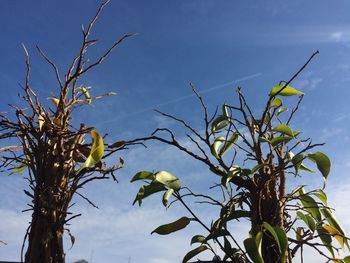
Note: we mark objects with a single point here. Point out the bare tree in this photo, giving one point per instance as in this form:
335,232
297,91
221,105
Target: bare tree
56,155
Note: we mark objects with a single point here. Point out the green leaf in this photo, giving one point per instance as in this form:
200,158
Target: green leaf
322,196
225,111
168,180
252,249
194,253
280,139
283,90
322,161
21,168
309,204
275,103
263,139
308,220
96,152
86,95
216,145
238,214
297,161
197,239
257,168
326,239
143,175
332,220
280,237
147,190
228,144
167,196
283,240
217,233
172,227
281,110
219,123
284,129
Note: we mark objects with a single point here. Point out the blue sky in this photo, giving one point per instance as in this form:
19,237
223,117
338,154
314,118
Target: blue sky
213,44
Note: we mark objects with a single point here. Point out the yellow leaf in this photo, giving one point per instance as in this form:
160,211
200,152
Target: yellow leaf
96,152
55,100
86,94
335,233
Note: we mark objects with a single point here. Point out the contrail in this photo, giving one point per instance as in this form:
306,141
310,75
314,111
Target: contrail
186,97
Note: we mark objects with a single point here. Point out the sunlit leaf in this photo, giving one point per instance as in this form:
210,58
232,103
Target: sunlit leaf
97,150
168,180
225,111
332,220
322,161
167,196
194,253
284,129
86,95
55,101
283,90
219,123
326,239
144,175
228,144
335,233
275,103
216,145
172,227
322,196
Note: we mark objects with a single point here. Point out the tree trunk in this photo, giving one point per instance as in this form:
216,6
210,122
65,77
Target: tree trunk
45,238
267,207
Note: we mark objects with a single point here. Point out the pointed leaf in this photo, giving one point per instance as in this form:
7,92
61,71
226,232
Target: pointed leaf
308,220
86,95
197,239
55,101
326,239
322,161
335,233
172,227
97,150
228,144
194,253
309,204
284,129
283,90
219,123
277,102
280,237
143,175
252,249
147,190
167,196
216,145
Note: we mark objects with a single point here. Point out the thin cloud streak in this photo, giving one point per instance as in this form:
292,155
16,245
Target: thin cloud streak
182,98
